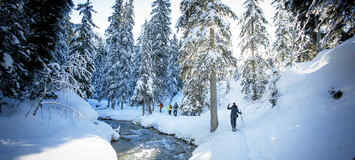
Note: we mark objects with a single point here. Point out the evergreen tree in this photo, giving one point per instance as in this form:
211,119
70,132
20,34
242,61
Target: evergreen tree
174,84
114,36
160,23
283,45
325,23
207,45
30,32
127,82
254,39
98,76
120,49
143,93
137,62
82,53
274,78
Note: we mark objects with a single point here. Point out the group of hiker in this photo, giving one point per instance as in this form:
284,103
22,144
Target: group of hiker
235,112
170,108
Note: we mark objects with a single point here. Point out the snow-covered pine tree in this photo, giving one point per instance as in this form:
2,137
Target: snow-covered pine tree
174,83
82,53
143,93
160,23
113,34
207,31
325,23
254,40
30,32
120,45
127,82
283,45
98,76
69,28
45,20
57,68
137,61
14,30
194,96
274,78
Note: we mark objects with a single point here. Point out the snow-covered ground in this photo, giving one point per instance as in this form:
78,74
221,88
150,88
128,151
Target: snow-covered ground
67,129
307,123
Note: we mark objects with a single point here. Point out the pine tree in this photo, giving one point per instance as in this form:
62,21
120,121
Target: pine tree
114,36
82,53
274,78
143,92
160,23
254,39
120,49
137,61
325,23
127,82
207,45
174,83
98,76
14,31
30,32
283,43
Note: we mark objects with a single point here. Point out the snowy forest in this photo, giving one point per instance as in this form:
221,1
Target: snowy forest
70,92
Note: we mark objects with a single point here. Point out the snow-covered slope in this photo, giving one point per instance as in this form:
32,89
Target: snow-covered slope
307,123
64,129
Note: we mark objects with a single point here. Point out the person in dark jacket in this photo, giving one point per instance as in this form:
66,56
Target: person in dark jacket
176,106
234,115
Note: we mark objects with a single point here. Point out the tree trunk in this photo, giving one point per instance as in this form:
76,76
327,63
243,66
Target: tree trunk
143,106
150,108
122,105
108,103
213,98
254,94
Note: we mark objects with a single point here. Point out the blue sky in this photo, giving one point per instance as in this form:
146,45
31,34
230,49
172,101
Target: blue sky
143,9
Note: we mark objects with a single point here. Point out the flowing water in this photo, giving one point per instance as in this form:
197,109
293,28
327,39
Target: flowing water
139,143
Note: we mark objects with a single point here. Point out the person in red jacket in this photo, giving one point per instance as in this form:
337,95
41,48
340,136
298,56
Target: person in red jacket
161,107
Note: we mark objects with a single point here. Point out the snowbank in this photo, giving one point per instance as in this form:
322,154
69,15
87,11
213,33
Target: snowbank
306,124
63,129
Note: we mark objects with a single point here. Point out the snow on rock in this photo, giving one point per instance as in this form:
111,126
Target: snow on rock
63,129
116,135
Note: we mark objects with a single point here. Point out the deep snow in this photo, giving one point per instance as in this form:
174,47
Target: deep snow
307,123
67,129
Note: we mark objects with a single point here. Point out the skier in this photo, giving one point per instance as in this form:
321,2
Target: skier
234,115
170,108
161,107
176,106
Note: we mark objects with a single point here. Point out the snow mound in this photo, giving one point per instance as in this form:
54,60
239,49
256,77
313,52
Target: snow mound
65,128
70,100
